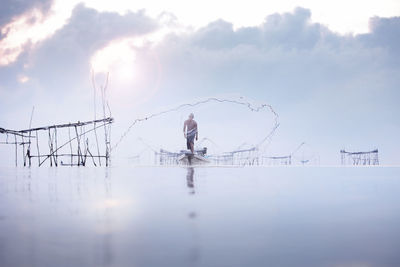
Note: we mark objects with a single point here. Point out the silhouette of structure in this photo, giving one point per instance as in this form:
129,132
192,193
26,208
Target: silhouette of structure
359,158
277,160
67,144
165,157
241,157
250,156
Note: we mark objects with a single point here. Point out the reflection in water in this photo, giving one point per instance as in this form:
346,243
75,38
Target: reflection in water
187,217
104,251
105,243
194,250
192,215
59,199
190,185
190,180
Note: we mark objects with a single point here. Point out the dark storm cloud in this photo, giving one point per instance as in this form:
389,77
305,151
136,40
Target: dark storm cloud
12,8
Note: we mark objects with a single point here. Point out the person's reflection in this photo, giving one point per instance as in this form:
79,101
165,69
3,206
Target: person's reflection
193,255
189,180
190,185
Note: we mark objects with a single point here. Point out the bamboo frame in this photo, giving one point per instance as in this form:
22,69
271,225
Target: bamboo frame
55,149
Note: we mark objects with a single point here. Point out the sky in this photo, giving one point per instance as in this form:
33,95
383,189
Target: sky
329,69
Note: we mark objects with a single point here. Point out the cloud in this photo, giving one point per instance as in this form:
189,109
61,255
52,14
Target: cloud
10,9
288,30
384,34
253,56
385,31
329,88
286,52
56,71
332,91
292,30
65,57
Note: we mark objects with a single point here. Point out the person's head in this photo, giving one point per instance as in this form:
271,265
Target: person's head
191,116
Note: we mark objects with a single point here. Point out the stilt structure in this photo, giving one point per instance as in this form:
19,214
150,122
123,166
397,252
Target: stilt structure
359,158
182,157
276,160
67,144
241,157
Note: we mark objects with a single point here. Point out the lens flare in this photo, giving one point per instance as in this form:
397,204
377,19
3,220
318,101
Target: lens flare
118,57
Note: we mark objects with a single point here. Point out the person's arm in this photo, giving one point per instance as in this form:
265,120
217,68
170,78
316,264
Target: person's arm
197,132
184,128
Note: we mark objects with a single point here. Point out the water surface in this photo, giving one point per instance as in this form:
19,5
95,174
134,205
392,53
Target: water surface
175,216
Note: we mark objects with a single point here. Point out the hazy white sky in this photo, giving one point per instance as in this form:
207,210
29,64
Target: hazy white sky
333,80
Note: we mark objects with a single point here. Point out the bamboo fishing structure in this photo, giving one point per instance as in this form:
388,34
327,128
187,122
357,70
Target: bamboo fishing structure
73,150
359,157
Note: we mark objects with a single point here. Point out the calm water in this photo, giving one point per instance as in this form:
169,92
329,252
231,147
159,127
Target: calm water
200,217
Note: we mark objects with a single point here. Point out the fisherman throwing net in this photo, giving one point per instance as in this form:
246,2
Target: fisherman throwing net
190,132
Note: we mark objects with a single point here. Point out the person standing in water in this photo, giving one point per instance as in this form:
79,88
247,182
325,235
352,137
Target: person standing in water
190,132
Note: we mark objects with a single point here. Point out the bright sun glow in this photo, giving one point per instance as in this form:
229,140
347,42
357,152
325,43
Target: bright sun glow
118,58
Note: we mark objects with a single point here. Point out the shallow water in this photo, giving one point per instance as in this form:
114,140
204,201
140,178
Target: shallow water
178,216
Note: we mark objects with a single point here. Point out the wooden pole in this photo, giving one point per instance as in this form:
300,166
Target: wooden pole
29,138
16,151
79,146
37,147
55,152
51,152
70,145
23,150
